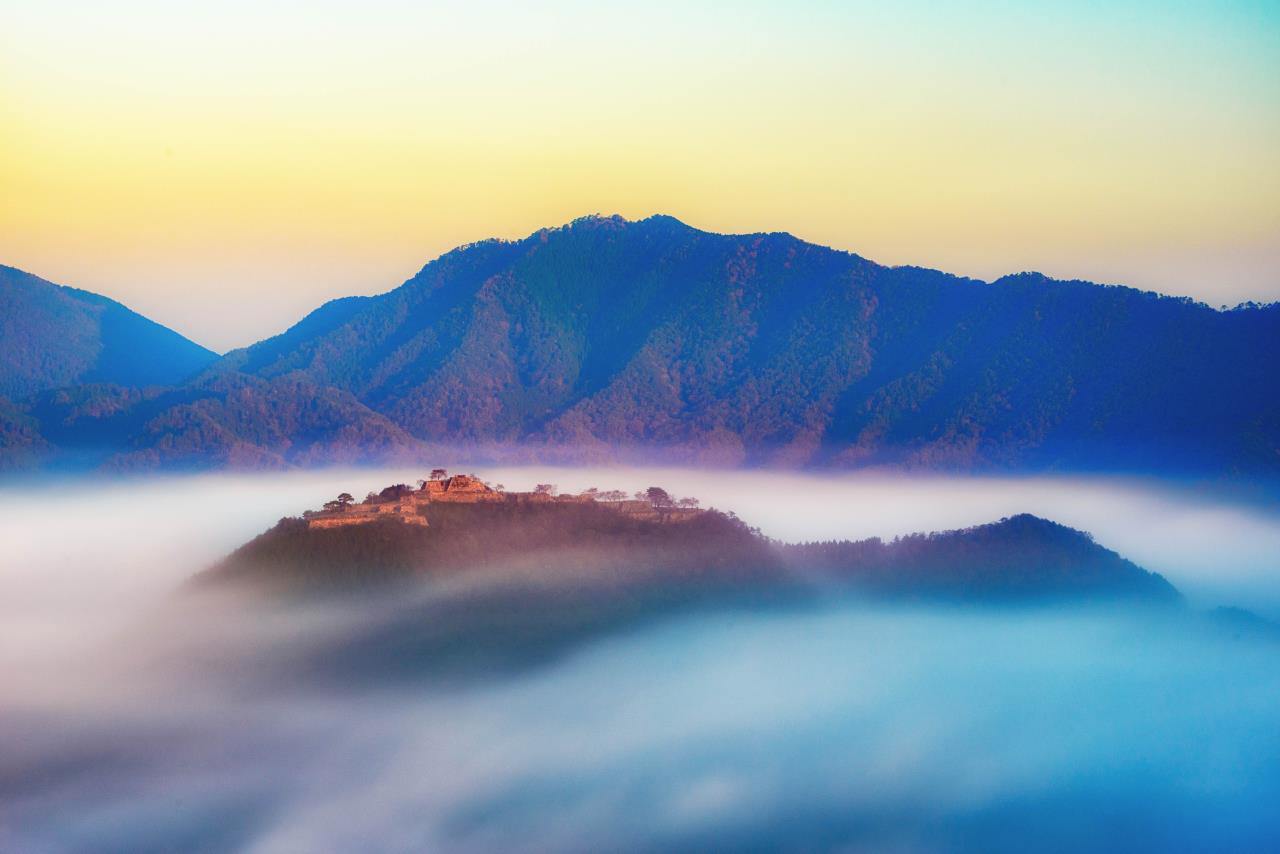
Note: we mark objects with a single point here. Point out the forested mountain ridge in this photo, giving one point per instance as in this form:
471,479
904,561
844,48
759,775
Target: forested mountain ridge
608,339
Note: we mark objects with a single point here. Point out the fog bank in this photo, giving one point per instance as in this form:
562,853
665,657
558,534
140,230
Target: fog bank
135,721
873,728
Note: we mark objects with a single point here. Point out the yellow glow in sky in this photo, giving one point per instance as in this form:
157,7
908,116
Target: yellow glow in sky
225,168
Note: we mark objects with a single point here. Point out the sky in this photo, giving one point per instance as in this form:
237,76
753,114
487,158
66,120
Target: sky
225,168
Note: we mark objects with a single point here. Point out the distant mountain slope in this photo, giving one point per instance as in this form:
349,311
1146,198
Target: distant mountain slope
609,338
53,336
21,445
219,421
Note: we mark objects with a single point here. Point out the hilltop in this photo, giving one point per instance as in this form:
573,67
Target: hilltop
460,525
450,527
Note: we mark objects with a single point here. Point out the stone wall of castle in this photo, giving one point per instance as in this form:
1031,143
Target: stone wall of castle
341,520
465,497
646,511
406,509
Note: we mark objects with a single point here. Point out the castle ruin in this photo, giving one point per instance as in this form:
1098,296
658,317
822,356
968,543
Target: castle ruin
408,505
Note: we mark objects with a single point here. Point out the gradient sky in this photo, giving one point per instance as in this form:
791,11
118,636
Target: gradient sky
225,167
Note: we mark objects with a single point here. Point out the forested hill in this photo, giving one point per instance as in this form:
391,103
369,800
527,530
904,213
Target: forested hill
592,544
609,337
607,340
509,584
53,336
1019,557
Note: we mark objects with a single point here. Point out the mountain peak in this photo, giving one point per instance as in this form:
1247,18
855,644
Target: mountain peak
1030,520
1026,277
598,220
617,222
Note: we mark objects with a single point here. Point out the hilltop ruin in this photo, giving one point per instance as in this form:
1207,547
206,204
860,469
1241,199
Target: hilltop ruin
403,503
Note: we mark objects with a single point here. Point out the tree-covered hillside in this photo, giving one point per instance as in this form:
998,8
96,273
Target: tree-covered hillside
52,336
608,337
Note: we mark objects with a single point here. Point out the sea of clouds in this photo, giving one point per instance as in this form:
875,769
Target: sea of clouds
133,720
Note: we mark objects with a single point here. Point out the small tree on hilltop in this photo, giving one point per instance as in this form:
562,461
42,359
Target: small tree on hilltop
346,498
688,503
658,497
545,489
439,474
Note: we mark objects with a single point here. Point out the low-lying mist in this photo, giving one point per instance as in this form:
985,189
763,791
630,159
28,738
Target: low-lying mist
134,718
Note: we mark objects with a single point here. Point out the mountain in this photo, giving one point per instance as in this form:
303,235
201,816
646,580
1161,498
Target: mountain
53,336
608,338
91,384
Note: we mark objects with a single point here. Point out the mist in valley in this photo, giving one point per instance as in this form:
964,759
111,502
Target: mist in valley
137,717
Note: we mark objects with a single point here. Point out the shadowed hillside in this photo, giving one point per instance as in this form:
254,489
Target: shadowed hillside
1019,557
